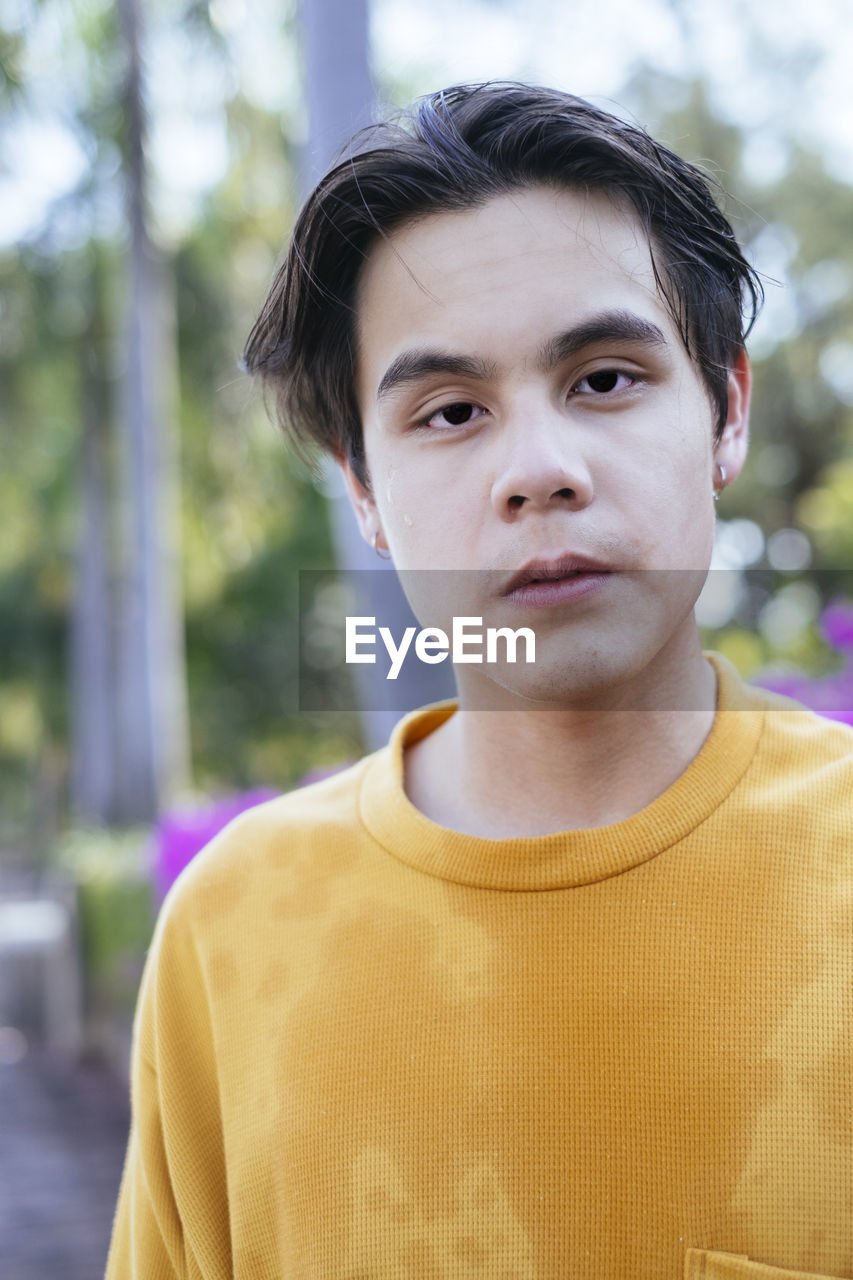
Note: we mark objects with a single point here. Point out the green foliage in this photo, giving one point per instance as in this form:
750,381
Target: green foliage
11,51
250,516
38,378
826,511
116,911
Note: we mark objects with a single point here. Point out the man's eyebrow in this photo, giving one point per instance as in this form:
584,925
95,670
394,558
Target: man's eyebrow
607,326
412,365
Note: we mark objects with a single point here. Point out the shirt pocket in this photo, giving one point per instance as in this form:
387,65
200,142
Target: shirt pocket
705,1264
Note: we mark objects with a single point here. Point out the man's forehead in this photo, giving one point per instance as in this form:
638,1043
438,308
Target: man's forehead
592,217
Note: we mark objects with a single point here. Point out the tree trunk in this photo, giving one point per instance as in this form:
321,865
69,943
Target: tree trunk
341,99
153,756
338,86
92,668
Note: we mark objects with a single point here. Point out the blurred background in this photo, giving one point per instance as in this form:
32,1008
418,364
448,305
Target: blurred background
152,157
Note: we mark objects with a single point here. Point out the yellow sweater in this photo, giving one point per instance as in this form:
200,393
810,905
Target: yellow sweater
368,1047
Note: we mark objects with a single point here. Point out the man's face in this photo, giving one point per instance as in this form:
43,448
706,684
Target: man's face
527,401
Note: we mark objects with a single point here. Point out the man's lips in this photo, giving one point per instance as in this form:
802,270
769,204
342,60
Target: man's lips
545,574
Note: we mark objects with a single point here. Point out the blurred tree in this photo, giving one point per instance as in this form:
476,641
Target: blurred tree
246,509
339,89
153,738
93,778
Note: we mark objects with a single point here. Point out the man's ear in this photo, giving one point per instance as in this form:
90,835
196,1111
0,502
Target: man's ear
730,450
363,505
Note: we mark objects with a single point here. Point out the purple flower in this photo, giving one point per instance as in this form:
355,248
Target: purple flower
181,833
836,626
832,695
791,684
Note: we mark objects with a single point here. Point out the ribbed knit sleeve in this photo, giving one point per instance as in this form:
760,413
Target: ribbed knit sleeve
172,1219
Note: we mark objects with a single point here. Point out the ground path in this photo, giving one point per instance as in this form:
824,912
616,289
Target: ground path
63,1131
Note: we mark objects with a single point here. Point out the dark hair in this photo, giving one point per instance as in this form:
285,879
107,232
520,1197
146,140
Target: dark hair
456,150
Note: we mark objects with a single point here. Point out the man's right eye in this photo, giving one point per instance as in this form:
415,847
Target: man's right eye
453,415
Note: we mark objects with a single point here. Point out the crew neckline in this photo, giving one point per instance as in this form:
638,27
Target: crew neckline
564,859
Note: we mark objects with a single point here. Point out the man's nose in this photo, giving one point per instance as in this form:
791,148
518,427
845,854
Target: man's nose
541,465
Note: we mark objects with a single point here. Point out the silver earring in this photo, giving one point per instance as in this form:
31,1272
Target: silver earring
719,489
383,555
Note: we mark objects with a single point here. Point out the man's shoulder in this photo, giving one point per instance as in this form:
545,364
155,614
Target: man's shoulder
793,741
805,738
311,828
802,782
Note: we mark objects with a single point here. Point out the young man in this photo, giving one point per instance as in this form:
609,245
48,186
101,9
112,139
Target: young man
558,984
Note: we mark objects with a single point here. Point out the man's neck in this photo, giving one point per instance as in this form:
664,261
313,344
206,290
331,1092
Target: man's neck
507,773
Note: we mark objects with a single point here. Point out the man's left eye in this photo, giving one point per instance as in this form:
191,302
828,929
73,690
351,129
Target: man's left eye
602,381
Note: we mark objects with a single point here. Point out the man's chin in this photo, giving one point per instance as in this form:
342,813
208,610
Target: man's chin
569,685
620,675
